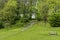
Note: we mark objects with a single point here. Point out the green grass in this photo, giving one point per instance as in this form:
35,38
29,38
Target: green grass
38,31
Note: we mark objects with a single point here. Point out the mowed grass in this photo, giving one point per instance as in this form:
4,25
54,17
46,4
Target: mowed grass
38,31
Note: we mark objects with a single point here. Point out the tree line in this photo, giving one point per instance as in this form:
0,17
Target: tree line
27,10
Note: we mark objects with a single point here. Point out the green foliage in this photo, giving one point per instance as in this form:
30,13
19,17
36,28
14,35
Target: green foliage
54,13
2,3
14,10
8,13
55,20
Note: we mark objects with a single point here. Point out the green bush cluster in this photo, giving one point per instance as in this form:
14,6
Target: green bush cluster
54,20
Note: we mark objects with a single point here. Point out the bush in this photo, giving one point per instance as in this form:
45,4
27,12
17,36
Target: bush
54,20
1,24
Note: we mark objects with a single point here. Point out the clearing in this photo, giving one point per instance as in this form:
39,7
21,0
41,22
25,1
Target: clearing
38,31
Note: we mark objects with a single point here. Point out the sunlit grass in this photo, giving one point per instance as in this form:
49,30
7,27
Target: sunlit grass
38,31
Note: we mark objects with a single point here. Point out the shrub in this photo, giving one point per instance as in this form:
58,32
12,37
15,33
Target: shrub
54,20
1,24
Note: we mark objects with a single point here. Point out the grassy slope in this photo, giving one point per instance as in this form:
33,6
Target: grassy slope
38,31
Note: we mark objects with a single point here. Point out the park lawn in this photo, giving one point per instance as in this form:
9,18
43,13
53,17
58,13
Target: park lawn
38,31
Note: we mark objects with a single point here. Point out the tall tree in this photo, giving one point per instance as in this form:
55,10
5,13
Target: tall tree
9,12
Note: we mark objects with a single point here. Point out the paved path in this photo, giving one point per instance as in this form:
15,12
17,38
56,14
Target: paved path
29,25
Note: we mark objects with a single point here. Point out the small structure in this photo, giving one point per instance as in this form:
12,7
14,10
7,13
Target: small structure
21,15
53,33
33,16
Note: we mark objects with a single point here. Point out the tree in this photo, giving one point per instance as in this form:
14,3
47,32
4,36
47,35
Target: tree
9,12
